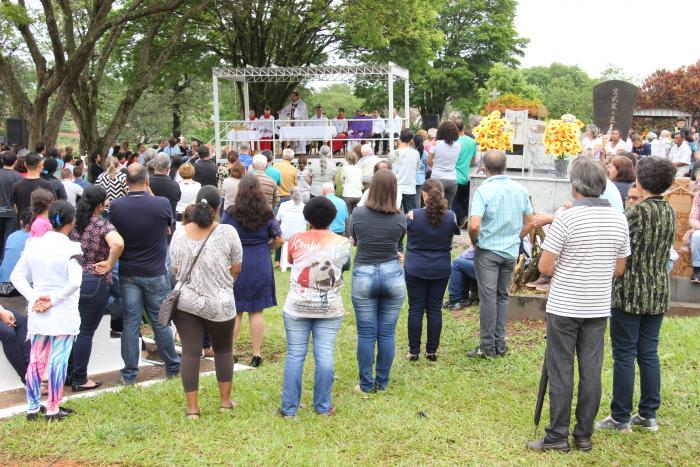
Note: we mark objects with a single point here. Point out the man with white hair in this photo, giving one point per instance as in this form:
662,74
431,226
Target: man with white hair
585,247
288,174
148,155
267,183
162,185
367,163
340,223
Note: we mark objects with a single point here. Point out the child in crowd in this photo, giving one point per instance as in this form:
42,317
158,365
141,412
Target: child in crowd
41,200
49,276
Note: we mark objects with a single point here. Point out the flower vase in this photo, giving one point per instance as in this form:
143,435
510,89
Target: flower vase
561,166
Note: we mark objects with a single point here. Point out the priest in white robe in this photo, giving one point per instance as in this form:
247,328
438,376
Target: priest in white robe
297,112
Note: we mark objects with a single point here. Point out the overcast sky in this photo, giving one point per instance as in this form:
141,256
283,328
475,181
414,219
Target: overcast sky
639,36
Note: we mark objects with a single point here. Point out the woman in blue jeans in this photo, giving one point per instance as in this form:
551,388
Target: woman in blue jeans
102,246
378,287
640,298
430,232
314,305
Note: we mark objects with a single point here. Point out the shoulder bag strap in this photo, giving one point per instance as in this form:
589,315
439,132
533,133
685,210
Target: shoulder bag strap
186,278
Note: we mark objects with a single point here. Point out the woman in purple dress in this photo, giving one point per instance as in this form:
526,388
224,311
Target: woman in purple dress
254,289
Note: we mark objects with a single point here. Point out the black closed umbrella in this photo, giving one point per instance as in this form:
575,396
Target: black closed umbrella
544,379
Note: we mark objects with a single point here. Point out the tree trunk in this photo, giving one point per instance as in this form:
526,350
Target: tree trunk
177,120
36,121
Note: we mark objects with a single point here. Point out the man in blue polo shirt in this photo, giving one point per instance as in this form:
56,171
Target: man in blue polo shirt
501,216
340,223
144,221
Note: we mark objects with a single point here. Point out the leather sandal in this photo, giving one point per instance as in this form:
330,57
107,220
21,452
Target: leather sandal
232,405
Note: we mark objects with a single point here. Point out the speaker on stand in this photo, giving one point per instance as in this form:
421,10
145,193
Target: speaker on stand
17,132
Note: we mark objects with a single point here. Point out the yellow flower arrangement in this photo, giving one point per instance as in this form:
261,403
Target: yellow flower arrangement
494,132
562,137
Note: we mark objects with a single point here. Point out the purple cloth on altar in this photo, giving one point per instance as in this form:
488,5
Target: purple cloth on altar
361,128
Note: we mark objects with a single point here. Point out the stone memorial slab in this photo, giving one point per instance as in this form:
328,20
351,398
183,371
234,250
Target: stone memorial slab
614,102
518,121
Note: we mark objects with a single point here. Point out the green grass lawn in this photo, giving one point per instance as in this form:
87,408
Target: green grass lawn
477,412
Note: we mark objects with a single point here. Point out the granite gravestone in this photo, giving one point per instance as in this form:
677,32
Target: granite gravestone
613,104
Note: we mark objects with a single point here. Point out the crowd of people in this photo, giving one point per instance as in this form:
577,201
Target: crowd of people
138,226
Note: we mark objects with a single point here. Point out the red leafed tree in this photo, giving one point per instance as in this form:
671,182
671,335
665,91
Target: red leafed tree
678,89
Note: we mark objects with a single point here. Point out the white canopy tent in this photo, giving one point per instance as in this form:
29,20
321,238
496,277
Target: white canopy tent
390,72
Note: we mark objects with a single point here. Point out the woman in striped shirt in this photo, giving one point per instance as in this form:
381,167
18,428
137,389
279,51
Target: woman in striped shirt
112,180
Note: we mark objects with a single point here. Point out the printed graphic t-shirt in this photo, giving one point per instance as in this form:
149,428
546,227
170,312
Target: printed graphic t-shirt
315,285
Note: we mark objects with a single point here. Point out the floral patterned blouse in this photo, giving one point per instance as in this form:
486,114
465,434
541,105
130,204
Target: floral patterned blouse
94,244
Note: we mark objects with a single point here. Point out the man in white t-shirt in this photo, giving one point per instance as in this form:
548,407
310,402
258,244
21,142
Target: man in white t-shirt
615,145
585,247
404,163
680,155
73,190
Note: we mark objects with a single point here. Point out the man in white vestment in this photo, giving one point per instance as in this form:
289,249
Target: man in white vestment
296,111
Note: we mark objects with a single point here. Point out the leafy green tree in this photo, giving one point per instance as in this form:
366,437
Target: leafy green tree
564,89
506,80
132,54
59,45
453,46
264,33
335,96
617,72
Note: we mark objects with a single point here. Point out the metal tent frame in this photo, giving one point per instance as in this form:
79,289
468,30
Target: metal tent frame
247,75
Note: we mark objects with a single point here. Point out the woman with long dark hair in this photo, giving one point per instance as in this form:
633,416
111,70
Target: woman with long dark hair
427,267
378,287
259,232
102,246
94,166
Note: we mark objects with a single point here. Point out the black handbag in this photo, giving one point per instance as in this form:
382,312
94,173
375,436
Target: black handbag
169,305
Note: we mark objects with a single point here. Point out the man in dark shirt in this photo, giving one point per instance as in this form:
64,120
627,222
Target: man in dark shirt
22,190
162,185
144,222
50,167
205,169
8,216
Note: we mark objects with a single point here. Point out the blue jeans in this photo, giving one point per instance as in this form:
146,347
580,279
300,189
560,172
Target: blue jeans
461,274
139,293
94,295
695,248
298,331
635,337
378,291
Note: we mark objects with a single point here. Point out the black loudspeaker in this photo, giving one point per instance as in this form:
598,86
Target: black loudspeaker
431,121
17,132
